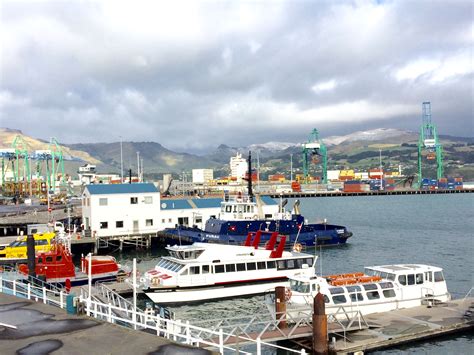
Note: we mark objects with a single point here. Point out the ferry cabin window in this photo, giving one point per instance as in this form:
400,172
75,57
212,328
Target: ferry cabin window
251,266
133,200
356,297
411,279
230,267
271,265
326,298
291,264
228,209
104,225
339,299
391,277
388,293
336,290
370,287
299,286
373,295
352,289
241,267
384,285
438,276
185,272
194,270
205,269
429,276
219,269
261,265
49,259
419,279
402,279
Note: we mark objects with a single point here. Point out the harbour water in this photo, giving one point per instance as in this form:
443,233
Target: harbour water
424,229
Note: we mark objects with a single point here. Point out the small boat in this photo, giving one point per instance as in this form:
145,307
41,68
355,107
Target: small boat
241,215
377,289
206,271
56,267
15,252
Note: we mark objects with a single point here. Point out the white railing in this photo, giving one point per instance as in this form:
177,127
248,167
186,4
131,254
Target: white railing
43,294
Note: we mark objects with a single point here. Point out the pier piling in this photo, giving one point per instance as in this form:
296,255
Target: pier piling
280,306
320,326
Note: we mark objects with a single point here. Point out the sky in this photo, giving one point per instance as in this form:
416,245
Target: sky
195,74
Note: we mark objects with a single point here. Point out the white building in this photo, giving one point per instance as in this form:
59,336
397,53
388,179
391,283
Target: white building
202,176
238,167
120,209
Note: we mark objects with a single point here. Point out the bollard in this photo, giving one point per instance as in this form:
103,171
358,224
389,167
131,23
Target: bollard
320,326
280,306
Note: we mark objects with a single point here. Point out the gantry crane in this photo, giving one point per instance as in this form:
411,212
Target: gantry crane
314,151
428,142
57,164
21,155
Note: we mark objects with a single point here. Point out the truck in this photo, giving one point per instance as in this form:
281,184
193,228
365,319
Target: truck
44,228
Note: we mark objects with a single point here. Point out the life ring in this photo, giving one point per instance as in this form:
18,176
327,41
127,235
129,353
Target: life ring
155,281
298,247
255,217
287,294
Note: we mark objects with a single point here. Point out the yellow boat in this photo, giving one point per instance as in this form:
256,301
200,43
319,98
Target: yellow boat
16,250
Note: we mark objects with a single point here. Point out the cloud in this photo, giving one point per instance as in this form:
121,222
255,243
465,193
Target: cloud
193,75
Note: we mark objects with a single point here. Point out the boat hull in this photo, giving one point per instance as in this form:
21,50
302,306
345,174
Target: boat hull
214,292
310,238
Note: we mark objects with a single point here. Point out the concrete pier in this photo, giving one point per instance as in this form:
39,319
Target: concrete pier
36,328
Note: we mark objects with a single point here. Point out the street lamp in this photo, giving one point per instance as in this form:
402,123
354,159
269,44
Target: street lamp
121,161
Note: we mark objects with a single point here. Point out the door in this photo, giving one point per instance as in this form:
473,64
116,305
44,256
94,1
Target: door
135,227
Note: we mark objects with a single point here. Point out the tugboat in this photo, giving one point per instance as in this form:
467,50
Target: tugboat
56,267
242,215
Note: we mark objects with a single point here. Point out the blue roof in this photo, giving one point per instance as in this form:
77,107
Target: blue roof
182,204
106,189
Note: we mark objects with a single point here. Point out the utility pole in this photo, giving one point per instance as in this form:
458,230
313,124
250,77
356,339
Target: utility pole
138,166
121,161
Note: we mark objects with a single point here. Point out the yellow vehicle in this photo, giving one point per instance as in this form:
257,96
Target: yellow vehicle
17,248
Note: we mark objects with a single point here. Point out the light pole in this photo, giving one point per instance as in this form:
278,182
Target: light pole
138,166
121,161
291,167
380,168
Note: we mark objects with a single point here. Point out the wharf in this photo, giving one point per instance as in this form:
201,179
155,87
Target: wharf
391,329
366,193
33,328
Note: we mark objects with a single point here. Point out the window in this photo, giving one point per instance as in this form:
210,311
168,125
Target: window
291,264
251,266
219,269
169,220
49,259
411,279
261,265
281,265
370,287
271,265
185,272
103,201
385,285
133,200
351,289
104,225
388,293
373,295
356,297
339,299
419,279
119,224
336,290
41,242
391,277
163,220
438,276
230,267
402,279
149,222
241,267
429,276
205,269
59,258
194,270
148,200
326,298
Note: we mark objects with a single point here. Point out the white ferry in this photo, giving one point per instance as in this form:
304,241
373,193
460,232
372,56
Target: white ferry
206,271
377,289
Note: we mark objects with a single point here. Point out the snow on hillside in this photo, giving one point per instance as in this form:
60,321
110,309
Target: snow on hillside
372,135
272,146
